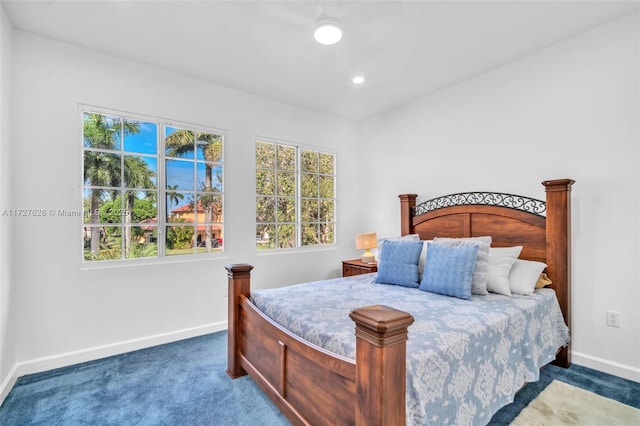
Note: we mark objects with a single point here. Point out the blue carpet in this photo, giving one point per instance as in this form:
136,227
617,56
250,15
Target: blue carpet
181,383
184,383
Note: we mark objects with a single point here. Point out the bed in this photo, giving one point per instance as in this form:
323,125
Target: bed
365,381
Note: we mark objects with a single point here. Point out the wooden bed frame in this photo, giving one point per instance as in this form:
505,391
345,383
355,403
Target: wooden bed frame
312,386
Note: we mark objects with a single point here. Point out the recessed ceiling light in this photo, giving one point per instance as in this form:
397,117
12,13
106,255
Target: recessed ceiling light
327,31
358,79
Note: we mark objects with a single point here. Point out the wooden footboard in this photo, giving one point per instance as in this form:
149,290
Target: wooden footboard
309,384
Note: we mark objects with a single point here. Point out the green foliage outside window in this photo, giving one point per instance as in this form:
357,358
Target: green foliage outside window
179,237
295,196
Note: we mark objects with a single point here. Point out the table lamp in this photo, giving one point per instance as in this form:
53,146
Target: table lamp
365,242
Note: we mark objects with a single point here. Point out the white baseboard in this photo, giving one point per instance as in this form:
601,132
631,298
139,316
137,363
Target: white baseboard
7,384
611,367
89,354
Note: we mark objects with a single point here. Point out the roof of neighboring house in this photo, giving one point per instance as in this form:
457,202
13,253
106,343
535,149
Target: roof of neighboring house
151,224
186,208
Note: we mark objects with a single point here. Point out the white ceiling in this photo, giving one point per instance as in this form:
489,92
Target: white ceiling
406,49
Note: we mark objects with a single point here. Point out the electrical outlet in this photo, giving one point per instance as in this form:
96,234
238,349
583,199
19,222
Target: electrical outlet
613,319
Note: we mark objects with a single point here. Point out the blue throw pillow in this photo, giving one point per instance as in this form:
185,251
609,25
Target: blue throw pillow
399,263
449,270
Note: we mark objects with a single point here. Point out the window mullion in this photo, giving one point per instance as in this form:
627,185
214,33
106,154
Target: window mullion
123,183
195,191
162,192
276,200
298,203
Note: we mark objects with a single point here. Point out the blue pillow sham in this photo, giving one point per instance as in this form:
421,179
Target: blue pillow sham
449,270
398,263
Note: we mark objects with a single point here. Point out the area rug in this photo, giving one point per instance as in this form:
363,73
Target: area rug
563,404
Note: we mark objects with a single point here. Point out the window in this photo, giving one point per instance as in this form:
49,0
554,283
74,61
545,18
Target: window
295,196
151,188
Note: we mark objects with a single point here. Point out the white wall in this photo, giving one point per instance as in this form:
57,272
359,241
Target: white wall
70,314
7,307
568,111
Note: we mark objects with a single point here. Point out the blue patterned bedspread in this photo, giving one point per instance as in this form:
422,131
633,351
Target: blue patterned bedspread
465,358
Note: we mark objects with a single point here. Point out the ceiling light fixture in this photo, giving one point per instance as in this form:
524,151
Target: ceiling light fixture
327,31
358,79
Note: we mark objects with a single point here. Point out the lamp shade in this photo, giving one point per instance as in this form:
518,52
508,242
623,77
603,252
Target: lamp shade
366,241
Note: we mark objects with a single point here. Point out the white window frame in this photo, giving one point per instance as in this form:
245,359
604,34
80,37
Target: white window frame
298,197
161,190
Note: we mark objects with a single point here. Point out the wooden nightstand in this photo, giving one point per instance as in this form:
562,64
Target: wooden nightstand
357,267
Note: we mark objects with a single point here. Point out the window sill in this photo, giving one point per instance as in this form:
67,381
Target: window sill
115,264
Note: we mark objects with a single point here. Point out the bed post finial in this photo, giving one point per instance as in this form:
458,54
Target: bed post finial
239,283
381,353
558,229
407,202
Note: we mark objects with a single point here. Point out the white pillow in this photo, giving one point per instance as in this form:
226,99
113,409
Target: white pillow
480,273
524,276
500,261
423,258
505,251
